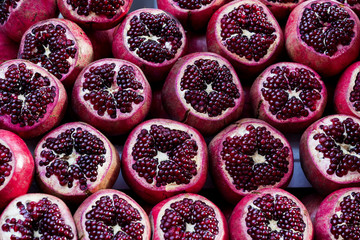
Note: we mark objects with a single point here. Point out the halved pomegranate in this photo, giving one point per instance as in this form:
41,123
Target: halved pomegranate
324,35
247,156
203,91
112,95
16,166
152,39
330,153
188,216
75,160
289,96
37,216
32,101
270,213
247,34
60,46
162,158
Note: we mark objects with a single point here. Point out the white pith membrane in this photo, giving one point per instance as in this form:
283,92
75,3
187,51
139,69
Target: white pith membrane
322,163
11,163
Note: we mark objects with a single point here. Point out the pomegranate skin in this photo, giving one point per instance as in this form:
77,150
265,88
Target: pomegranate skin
344,87
27,13
22,171
300,52
281,10
175,103
158,211
312,202
196,42
221,176
245,68
101,41
315,165
8,48
237,222
124,122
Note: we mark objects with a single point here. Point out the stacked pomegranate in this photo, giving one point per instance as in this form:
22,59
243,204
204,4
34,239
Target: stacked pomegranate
137,124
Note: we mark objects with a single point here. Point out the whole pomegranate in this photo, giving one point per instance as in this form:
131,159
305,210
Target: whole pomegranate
247,156
37,216
101,41
152,39
32,101
75,160
16,166
112,95
188,216
324,35
60,46
203,91
162,158
289,96
347,97
312,202
111,214
196,42
329,153
270,213
247,34
281,8
8,48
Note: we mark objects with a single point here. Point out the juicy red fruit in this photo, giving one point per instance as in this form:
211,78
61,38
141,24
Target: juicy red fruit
98,7
5,9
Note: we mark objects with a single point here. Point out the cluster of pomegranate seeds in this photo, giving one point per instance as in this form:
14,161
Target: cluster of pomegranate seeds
189,219
5,159
5,5
165,155
255,158
40,220
193,4
107,8
113,218
339,143
275,217
74,155
355,94
24,95
291,93
324,26
247,32
209,87
350,2
46,38
345,224
107,93
154,37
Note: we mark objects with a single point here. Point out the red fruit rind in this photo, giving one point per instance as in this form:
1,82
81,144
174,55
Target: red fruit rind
22,171
88,204
281,9
124,121
149,191
159,210
8,48
312,203
107,173
238,225
221,176
174,98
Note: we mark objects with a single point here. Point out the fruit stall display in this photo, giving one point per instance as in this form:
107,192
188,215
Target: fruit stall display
179,119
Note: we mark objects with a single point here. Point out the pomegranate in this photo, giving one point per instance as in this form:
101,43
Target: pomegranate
8,48
247,156
289,96
101,41
32,101
330,153
281,8
353,4
347,97
16,16
75,160
37,216
196,42
188,216
338,215
323,34
95,14
112,95
152,39
270,213
193,14
162,158
16,166
111,214
203,91
157,109
312,202
58,45
247,34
